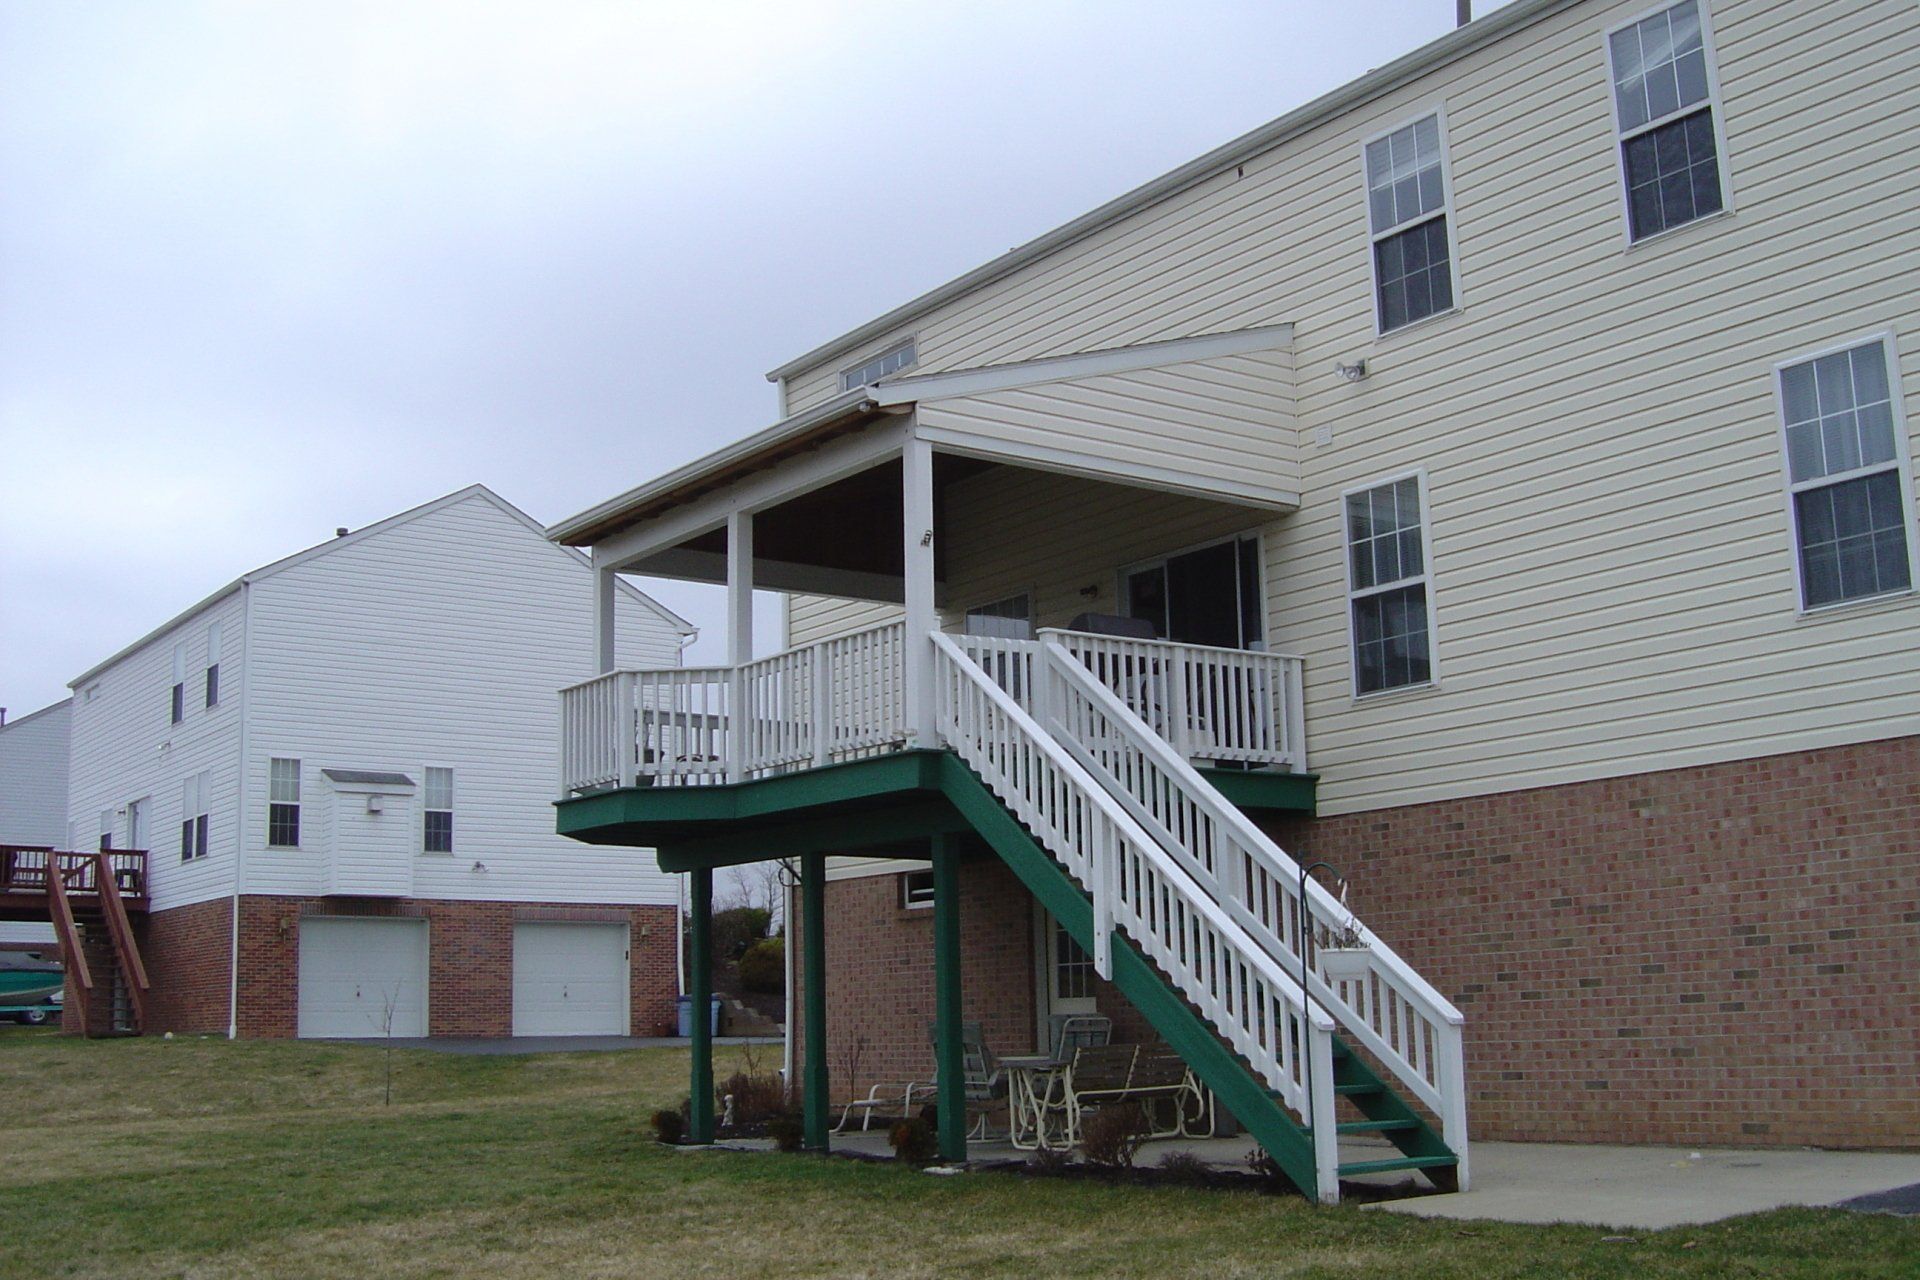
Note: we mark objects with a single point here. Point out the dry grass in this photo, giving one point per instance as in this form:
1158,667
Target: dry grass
207,1159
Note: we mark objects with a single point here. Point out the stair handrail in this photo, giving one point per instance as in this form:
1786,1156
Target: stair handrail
1445,1092
72,956
120,928
1087,858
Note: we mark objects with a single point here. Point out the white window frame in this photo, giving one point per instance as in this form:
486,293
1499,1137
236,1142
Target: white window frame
195,805
1712,103
211,672
911,898
1439,112
850,376
452,806
177,691
139,813
1902,463
298,802
1425,577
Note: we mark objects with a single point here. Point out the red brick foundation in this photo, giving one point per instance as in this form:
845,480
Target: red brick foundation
470,961
1722,955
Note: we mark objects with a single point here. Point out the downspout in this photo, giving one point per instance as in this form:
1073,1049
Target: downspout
240,822
786,952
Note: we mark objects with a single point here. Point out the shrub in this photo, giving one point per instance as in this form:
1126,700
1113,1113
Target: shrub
669,1126
737,928
1112,1137
787,1131
1265,1165
913,1141
1184,1167
756,1096
1050,1162
763,966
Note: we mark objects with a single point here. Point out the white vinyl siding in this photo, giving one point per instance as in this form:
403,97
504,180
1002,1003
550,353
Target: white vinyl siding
811,618
1666,108
1849,490
33,777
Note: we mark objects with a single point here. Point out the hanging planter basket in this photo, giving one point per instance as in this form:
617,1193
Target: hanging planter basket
1345,964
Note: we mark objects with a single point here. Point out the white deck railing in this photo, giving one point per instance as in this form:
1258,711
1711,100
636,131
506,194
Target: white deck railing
834,700
1136,887
1211,704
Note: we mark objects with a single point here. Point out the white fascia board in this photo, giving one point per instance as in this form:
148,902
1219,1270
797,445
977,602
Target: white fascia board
831,462
986,379
1093,467
851,402
688,565
1438,53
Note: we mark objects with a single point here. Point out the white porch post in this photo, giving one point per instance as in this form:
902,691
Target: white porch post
605,599
917,535
739,636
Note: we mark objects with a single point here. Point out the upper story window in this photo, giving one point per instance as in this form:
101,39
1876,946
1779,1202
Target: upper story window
177,698
1665,101
437,835
283,804
1848,488
892,360
194,793
213,664
1387,585
106,830
1408,199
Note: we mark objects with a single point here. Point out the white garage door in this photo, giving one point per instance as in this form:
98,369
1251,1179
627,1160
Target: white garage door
569,980
353,971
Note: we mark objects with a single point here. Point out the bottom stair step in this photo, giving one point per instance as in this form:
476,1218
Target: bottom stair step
1402,1162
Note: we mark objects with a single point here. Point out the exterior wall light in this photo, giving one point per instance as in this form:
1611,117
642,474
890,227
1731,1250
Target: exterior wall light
1352,372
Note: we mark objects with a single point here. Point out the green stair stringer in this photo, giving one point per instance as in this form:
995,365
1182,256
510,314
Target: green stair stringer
1233,1083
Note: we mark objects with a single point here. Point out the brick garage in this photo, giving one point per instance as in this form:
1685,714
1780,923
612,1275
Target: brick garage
470,958
1720,955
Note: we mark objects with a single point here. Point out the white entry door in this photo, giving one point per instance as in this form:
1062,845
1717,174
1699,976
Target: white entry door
357,974
570,979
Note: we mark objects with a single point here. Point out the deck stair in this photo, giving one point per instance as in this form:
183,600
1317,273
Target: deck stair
90,899
1189,910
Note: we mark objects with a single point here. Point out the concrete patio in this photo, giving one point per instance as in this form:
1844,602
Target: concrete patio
1643,1188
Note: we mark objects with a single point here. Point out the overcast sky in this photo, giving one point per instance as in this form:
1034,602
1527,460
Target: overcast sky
267,269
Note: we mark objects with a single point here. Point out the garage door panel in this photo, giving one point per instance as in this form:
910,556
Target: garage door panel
569,980
352,970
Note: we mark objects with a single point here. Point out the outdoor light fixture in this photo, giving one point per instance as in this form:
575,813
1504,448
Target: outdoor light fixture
1352,372
479,866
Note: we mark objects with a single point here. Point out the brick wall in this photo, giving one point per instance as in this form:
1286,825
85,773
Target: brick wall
1723,955
470,961
880,974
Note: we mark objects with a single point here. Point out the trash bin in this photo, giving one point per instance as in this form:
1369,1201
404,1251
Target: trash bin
685,1027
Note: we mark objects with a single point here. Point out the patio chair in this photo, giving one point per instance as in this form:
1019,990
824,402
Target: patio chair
1105,1075
1072,1031
984,1083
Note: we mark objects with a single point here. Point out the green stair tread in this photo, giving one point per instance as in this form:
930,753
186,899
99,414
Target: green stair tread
1359,1087
1377,1126
1399,1162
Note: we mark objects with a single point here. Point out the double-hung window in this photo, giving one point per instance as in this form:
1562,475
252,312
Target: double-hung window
1666,104
106,830
1407,213
1389,602
213,664
194,794
437,835
283,804
177,697
1847,484
916,889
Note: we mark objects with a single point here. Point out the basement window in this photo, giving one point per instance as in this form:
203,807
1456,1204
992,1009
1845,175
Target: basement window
916,890
892,360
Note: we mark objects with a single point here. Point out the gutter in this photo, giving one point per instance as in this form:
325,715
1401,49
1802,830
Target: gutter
1451,47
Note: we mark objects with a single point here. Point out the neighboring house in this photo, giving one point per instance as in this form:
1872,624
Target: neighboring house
1514,441
33,795
341,765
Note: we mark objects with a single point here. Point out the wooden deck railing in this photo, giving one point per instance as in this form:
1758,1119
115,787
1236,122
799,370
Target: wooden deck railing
23,870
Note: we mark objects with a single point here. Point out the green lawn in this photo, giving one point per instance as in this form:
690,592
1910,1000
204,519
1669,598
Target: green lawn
201,1158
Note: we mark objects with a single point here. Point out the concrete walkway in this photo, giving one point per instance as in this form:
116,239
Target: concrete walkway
513,1045
1652,1187
1638,1188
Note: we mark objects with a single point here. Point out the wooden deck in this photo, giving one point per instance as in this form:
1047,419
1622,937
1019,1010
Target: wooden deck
23,878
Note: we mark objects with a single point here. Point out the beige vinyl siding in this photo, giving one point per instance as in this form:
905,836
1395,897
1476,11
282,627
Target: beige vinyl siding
1227,421
811,618
1613,578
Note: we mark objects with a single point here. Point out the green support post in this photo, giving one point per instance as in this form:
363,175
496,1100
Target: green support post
951,1072
700,984
813,913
